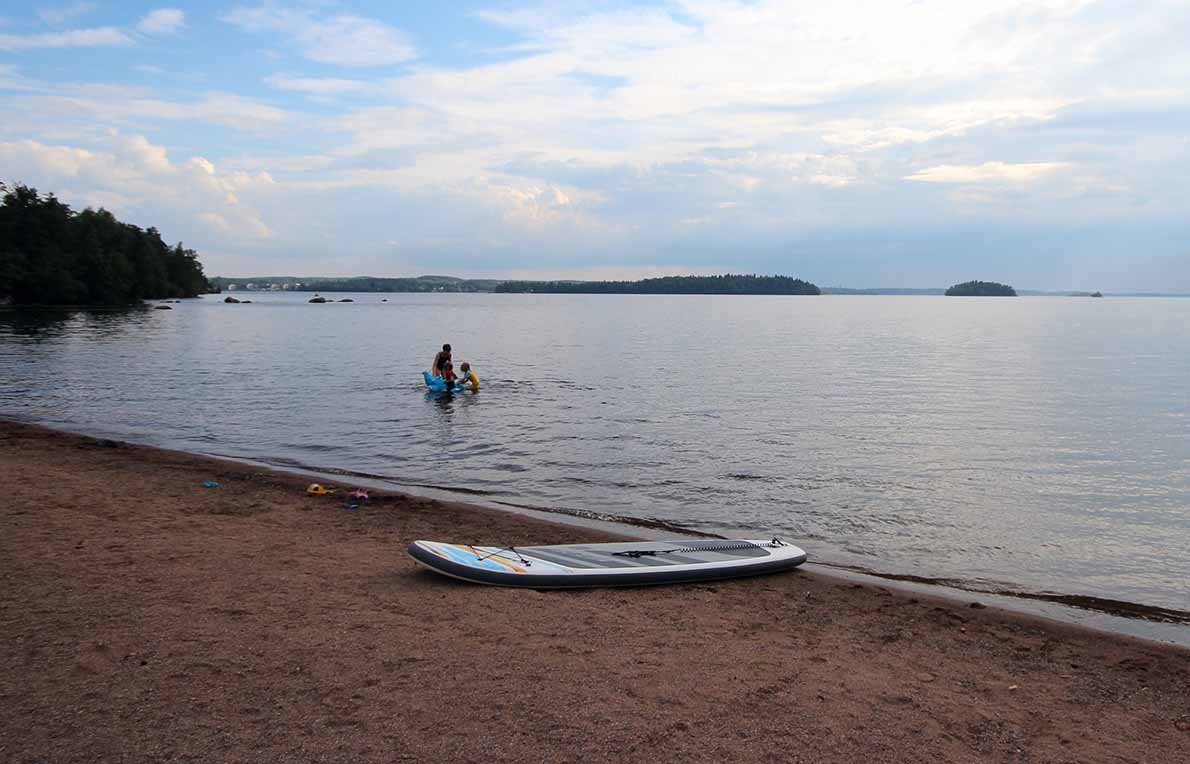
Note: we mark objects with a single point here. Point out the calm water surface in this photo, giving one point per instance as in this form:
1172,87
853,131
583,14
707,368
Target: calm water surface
1034,444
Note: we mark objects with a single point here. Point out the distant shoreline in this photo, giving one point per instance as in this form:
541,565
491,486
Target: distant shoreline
8,308
826,292
455,285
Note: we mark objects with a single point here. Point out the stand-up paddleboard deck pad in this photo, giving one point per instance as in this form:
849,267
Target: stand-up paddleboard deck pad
631,563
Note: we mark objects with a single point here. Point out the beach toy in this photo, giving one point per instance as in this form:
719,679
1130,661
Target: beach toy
314,489
357,494
349,505
210,484
436,384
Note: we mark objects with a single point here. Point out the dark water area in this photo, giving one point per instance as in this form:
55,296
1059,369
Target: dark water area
1038,444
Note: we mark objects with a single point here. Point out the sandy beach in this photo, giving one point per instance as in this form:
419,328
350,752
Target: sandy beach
144,617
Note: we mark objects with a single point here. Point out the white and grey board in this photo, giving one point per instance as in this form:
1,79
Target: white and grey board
630,563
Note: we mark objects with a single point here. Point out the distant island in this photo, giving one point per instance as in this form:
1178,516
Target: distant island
727,284
353,284
52,255
886,291
980,289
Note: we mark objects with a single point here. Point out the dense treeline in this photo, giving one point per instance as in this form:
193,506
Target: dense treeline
980,289
375,284
729,284
51,255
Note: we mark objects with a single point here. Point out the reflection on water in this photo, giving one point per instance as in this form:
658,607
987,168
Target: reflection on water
1037,443
47,323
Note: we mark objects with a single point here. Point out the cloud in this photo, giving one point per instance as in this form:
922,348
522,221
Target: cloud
134,177
531,205
343,40
316,85
237,224
808,120
63,14
162,21
76,38
988,172
832,181
12,79
688,132
106,105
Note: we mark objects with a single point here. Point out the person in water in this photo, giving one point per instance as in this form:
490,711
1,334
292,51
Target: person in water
469,378
440,360
448,375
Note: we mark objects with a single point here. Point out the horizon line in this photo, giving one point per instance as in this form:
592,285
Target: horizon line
1038,292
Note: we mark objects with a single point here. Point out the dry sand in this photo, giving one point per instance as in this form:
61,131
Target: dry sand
146,618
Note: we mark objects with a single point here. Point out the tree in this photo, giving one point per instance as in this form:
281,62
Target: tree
50,255
726,284
980,289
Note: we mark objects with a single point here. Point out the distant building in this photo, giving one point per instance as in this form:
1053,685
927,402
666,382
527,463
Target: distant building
231,287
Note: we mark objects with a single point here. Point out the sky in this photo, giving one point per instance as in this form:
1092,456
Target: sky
861,143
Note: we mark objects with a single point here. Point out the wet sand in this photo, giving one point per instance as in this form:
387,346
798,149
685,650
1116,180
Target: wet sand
144,617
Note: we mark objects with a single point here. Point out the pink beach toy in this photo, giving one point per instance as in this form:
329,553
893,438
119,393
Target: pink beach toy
358,493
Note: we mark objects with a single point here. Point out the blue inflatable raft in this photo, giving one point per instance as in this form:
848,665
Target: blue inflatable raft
436,384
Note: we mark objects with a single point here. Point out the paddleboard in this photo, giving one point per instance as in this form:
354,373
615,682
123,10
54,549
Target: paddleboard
630,563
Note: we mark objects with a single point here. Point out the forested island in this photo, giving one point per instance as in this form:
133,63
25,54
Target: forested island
980,289
727,284
52,255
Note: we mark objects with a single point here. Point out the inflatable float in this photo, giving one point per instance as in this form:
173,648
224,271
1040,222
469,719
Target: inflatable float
436,384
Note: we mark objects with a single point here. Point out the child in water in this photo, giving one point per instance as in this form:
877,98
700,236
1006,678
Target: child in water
469,378
448,375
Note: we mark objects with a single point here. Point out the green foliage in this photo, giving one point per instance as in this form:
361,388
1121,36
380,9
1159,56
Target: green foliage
50,255
980,289
728,284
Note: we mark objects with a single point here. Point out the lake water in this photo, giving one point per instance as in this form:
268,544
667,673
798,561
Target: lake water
1032,444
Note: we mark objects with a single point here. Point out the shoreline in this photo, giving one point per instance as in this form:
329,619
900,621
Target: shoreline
149,618
1119,617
